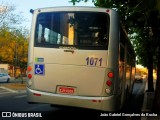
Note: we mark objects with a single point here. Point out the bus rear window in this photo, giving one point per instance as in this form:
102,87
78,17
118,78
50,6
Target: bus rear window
83,30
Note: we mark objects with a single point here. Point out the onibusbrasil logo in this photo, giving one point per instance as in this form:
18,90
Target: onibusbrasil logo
24,114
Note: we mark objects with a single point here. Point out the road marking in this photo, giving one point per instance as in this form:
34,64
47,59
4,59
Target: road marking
13,91
21,96
4,92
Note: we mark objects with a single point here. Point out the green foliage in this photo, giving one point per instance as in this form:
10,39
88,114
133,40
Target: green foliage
13,47
13,39
144,44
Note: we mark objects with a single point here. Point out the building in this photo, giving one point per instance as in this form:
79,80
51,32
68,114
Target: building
4,68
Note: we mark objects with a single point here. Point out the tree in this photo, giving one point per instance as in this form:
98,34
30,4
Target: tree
7,16
13,48
132,17
143,15
153,22
145,46
20,50
13,39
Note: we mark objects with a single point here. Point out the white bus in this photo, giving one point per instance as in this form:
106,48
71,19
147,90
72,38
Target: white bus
79,57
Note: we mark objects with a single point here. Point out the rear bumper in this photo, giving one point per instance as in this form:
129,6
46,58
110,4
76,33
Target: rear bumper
111,103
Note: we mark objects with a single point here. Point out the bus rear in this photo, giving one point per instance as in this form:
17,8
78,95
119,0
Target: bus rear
68,58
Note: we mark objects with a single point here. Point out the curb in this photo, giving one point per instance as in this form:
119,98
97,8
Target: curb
147,104
148,98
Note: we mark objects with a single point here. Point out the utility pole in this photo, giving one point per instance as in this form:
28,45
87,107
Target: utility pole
15,60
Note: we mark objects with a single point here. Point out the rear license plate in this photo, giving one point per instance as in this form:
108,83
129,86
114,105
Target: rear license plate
66,90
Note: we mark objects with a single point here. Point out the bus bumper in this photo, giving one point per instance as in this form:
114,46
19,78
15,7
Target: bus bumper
111,103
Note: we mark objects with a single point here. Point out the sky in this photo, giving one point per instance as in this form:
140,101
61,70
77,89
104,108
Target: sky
24,6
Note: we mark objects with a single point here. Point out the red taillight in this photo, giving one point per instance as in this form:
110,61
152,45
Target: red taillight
110,75
29,68
29,76
36,94
107,11
96,100
109,83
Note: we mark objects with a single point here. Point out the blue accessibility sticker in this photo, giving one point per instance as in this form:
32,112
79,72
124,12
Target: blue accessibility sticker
39,69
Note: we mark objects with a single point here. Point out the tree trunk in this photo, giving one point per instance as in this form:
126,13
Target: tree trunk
156,101
150,72
21,76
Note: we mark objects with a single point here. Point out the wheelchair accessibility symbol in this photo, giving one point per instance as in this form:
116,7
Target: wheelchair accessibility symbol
39,69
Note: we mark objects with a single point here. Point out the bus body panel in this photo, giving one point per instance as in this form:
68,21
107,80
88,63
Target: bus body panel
80,70
101,103
86,81
113,48
90,58
77,77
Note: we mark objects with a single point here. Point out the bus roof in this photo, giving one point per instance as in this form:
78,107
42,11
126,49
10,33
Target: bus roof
72,8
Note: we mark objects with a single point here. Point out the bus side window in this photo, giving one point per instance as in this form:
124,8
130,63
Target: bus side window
46,35
39,29
43,35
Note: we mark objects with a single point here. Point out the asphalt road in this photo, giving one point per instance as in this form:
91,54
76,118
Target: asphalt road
16,103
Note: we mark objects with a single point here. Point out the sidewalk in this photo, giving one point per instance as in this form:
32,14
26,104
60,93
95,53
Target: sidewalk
147,105
15,85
